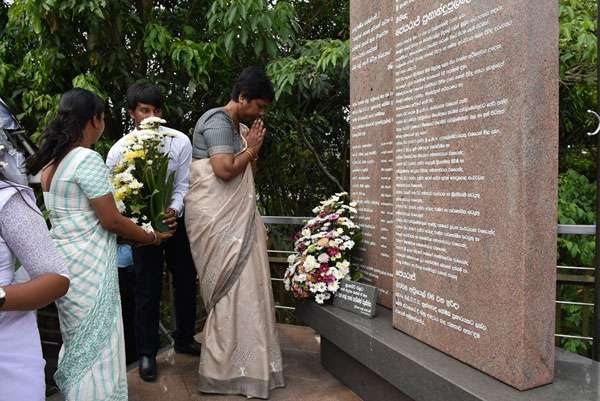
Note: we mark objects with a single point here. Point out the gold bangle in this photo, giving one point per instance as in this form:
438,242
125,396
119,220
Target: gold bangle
252,154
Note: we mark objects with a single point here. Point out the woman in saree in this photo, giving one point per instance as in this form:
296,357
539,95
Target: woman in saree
85,223
240,347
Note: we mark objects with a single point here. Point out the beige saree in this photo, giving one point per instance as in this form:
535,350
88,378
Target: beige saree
240,348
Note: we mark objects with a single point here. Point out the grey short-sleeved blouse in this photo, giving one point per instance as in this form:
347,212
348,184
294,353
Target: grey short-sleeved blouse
214,134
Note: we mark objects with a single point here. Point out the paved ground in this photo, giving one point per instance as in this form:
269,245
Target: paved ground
306,380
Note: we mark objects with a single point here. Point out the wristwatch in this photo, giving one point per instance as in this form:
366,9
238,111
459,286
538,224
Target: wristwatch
2,296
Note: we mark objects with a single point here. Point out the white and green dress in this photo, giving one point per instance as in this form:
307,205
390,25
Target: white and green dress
91,363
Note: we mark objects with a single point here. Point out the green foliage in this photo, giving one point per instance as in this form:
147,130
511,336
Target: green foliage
576,205
257,24
194,49
578,91
576,198
578,155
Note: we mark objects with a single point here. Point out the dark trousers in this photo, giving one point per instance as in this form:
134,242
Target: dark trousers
127,290
149,262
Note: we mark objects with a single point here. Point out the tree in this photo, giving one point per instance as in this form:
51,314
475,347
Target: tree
194,49
578,85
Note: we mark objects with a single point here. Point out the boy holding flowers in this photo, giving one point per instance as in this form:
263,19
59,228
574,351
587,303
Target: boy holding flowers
143,101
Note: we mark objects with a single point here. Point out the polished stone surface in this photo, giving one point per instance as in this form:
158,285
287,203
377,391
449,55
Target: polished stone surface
372,139
473,117
357,297
426,374
305,377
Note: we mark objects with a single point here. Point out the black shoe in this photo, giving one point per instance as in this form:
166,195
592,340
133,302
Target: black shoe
192,348
147,368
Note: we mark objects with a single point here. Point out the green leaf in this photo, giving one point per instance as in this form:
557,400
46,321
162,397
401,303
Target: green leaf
229,42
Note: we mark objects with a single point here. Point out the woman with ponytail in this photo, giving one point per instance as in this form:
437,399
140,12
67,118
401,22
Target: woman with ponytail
85,223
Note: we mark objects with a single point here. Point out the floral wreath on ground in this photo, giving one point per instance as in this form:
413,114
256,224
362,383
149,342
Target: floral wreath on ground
323,248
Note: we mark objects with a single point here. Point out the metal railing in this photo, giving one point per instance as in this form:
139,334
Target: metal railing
568,229
581,280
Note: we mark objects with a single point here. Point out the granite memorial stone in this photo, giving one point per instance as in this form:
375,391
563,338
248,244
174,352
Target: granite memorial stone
372,139
474,121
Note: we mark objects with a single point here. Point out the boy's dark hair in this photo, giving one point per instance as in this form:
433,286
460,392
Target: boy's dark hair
144,93
253,83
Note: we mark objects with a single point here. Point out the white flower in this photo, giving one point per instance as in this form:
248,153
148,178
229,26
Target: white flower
310,263
301,278
306,232
151,122
134,219
340,231
149,162
333,287
144,218
320,287
323,258
147,227
135,184
343,264
291,259
353,204
125,176
336,273
320,298
348,244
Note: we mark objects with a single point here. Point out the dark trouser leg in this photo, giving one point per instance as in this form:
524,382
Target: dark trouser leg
148,262
127,289
181,265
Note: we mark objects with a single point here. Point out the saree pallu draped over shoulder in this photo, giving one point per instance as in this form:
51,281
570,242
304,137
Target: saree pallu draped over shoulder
240,352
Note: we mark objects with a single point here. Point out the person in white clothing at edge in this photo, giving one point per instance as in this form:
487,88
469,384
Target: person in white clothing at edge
143,101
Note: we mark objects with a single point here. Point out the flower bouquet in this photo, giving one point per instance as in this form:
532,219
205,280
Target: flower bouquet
323,248
142,182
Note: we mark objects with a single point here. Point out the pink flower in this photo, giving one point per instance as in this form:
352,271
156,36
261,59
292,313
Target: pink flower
323,258
333,217
324,267
332,251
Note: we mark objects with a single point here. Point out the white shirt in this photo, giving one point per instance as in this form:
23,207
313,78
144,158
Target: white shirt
180,158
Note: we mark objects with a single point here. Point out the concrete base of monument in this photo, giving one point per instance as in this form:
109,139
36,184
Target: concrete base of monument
380,363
